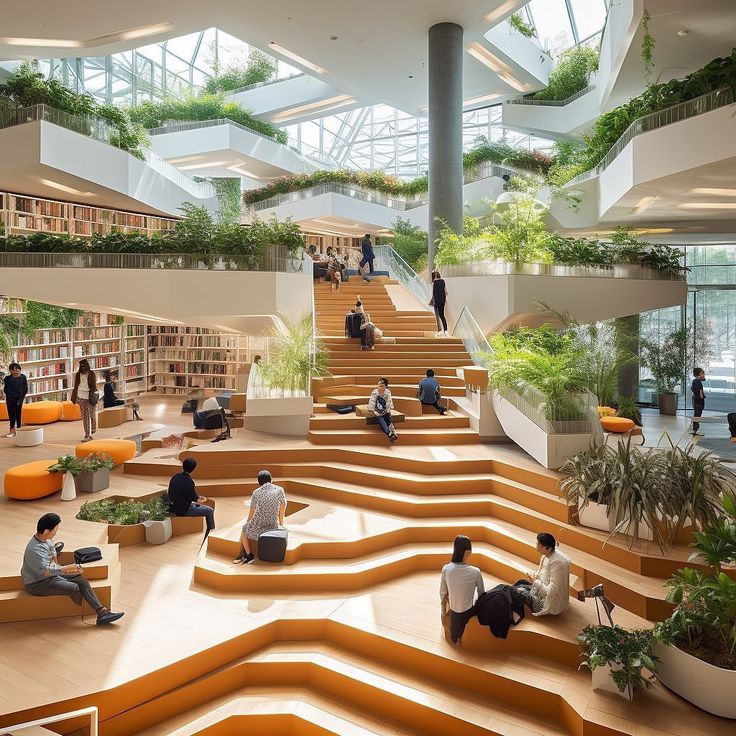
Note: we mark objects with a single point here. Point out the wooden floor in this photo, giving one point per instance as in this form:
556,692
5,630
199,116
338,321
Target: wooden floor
345,637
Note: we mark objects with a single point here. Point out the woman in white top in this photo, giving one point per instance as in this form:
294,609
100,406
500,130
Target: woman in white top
381,405
551,583
84,393
458,586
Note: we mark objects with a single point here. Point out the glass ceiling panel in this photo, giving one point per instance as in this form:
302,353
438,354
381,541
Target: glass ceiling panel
553,25
590,16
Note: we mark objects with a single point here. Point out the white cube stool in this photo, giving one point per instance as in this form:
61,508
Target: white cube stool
29,436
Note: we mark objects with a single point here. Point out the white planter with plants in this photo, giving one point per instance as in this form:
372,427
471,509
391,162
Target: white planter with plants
158,531
89,474
595,516
602,680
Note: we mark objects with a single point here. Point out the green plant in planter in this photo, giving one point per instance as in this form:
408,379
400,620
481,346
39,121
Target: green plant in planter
628,409
666,360
571,73
157,509
628,653
94,462
67,464
124,513
519,24
703,623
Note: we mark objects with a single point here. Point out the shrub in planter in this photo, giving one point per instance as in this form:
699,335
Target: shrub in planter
666,361
124,513
626,654
95,473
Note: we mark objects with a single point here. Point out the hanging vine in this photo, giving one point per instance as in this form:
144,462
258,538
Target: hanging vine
647,47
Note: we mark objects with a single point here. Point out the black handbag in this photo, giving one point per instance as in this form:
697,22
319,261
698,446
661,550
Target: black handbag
94,397
85,555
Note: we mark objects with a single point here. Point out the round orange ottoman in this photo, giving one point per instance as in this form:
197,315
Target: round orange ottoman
42,412
70,412
118,450
32,480
617,424
4,411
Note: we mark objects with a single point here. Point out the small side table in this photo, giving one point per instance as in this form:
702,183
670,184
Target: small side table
29,436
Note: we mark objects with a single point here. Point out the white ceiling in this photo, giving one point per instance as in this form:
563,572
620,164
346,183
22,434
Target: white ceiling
380,53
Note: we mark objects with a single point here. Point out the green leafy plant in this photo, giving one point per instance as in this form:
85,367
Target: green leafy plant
703,623
647,46
628,409
519,24
571,73
666,360
295,356
94,461
628,653
39,316
126,512
259,68
410,242
67,464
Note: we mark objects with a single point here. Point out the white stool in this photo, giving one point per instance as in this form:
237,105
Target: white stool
29,436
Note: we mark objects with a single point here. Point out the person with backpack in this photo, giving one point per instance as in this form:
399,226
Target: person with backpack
380,404
459,583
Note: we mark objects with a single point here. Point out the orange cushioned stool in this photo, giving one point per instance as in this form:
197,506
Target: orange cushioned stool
42,412
618,425
32,480
118,450
4,411
70,412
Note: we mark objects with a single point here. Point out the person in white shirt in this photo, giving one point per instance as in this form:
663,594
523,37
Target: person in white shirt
551,583
381,404
459,584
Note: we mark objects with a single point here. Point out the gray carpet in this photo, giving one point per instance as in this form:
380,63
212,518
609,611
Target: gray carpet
721,446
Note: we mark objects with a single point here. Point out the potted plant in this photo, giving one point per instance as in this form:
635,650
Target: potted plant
131,521
94,474
71,466
588,486
617,657
156,520
666,361
697,643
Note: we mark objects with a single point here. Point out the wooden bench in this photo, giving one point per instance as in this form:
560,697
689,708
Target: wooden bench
371,418
114,416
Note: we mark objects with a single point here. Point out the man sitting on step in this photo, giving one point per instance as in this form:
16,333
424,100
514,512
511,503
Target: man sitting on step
43,575
429,392
184,499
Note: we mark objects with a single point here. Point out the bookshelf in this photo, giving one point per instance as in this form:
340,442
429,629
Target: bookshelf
23,214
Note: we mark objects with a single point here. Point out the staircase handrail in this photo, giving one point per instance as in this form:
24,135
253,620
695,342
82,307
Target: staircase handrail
91,711
387,259
553,103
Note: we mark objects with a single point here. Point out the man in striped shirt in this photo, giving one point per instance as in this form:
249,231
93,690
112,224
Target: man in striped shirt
43,575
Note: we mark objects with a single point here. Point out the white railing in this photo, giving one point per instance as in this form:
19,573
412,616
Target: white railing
387,259
486,170
675,114
267,83
553,103
178,126
91,712
505,268
577,416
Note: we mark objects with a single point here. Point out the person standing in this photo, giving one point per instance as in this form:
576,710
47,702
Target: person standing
438,301
369,256
184,499
698,398
43,575
459,583
381,404
428,392
85,394
15,387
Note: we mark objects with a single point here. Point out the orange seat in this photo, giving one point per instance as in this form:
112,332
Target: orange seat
619,425
32,480
4,411
70,412
42,412
118,450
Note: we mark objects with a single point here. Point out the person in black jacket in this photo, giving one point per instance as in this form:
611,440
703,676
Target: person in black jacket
183,497
109,399
15,386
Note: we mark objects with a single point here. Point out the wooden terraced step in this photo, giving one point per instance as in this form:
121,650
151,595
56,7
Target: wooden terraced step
407,436
425,421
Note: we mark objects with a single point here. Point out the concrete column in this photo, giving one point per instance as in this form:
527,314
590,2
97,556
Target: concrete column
445,131
627,342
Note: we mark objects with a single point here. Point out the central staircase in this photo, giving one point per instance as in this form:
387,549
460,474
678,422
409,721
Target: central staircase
407,349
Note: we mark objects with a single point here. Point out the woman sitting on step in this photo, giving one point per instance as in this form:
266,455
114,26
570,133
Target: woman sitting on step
458,586
380,404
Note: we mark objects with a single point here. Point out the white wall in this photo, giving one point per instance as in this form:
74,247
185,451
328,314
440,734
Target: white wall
273,98
522,55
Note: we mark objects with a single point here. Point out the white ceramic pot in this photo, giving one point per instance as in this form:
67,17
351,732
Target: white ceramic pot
595,515
69,489
158,532
710,688
602,680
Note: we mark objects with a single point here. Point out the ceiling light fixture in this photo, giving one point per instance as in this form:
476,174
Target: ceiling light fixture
184,159
65,188
295,57
62,43
321,106
482,98
237,168
714,191
683,32
485,57
499,12
70,43
643,204
208,165
707,206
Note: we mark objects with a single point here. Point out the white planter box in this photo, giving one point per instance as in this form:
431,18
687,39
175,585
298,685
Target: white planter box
594,515
602,681
710,688
284,416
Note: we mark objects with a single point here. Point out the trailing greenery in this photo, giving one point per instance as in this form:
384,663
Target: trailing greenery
228,191
498,152
647,46
519,24
29,87
626,652
609,127
40,316
259,68
196,233
410,242
703,623
124,513
662,489
296,356
571,73
666,360
154,114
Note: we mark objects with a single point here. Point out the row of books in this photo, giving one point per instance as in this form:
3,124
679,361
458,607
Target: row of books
50,369
50,353
96,348
212,368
